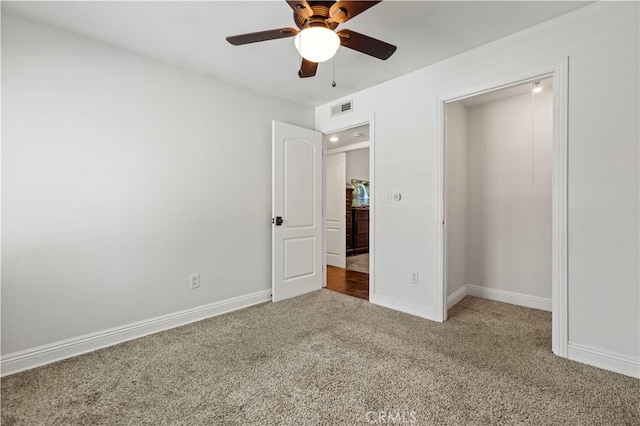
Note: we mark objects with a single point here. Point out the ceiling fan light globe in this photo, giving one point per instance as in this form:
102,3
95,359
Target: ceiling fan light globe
317,44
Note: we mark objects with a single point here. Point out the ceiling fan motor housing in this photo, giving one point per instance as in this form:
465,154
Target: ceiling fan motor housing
319,17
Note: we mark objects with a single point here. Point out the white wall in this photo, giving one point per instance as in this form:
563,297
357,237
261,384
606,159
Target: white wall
456,197
509,194
602,43
122,175
357,165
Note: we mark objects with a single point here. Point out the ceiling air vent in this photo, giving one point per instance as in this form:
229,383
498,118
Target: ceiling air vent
342,108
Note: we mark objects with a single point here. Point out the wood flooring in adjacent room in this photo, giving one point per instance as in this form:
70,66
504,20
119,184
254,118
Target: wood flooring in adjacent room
345,281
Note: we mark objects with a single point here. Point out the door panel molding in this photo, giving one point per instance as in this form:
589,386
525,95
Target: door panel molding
334,209
297,198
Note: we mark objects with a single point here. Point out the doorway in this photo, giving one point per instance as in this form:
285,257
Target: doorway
558,71
498,195
347,213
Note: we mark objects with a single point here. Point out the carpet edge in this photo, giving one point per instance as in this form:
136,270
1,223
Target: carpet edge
46,354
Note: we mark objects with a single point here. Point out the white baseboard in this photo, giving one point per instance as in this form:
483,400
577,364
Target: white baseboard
519,299
46,354
499,296
457,296
403,306
605,360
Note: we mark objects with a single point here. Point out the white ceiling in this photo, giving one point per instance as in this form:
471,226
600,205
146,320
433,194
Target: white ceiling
346,137
192,34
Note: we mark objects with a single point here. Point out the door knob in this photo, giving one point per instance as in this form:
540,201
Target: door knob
278,220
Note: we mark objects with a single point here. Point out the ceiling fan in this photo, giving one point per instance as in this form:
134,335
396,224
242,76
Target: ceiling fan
316,39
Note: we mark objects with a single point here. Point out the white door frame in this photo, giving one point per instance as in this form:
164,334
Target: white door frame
348,122
559,70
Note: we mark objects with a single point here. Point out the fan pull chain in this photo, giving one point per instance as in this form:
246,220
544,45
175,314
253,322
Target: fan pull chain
533,137
333,83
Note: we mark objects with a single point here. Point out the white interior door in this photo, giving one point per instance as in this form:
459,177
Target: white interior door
297,211
334,214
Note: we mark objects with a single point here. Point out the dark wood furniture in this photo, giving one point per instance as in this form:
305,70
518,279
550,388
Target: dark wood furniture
348,221
356,226
360,230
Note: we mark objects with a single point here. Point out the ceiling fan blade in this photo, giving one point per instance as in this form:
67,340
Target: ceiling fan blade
365,44
240,39
301,7
342,11
307,69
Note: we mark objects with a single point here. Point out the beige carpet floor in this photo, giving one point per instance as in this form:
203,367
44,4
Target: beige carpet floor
358,263
329,359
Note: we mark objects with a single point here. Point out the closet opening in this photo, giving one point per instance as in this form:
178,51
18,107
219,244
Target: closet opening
498,195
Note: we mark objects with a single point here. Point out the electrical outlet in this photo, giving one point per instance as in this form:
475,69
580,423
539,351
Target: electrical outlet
414,277
194,280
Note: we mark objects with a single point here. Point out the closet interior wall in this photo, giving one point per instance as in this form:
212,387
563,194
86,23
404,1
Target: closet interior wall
498,196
